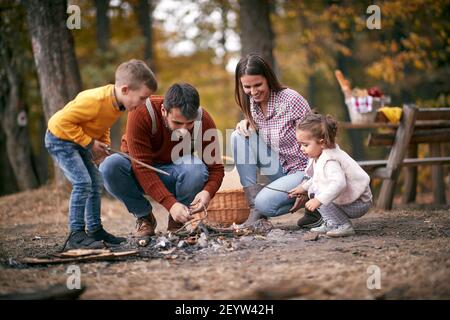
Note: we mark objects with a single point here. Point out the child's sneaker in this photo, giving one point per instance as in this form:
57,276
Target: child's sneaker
325,227
311,219
102,234
80,240
344,230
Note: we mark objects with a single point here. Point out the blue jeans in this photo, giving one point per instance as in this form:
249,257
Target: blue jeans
188,176
252,154
87,185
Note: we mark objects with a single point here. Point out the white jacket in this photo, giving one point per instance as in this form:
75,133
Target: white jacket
337,178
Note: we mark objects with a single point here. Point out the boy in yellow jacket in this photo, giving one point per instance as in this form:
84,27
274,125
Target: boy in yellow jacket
78,138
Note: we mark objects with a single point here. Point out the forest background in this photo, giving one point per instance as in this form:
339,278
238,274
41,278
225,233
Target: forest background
44,64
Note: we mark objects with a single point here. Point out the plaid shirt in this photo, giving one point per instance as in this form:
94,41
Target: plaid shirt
285,109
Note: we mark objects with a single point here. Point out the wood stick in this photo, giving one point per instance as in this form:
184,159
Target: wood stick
139,162
55,292
102,256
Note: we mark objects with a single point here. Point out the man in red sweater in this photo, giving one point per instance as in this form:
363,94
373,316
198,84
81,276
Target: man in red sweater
157,134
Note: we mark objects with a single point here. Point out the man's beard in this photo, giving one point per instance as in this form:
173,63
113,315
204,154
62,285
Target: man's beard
179,133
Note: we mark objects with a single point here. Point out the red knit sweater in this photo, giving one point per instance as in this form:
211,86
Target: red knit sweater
139,143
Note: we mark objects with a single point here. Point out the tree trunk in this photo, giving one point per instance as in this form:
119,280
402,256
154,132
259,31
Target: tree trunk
14,122
103,40
13,113
312,87
256,29
224,10
103,34
54,56
144,12
42,159
8,182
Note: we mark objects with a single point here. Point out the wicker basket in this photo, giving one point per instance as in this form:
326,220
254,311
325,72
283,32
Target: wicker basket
363,118
228,206
370,105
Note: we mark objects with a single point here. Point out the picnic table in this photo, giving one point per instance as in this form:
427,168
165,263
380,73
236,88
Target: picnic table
429,126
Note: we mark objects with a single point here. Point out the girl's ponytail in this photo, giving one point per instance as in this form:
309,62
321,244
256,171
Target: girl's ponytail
321,127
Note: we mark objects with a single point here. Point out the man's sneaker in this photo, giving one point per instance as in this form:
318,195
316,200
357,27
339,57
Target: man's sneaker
145,226
102,234
324,228
310,219
80,240
173,225
344,230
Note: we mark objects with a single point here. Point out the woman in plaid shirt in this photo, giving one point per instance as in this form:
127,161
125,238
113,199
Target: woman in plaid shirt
265,140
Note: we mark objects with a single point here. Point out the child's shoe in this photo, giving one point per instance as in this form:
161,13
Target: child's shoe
311,219
343,230
80,240
102,234
325,227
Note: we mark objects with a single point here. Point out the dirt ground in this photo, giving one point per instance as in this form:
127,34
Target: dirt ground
410,246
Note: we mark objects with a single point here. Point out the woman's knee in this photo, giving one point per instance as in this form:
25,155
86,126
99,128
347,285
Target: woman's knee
273,203
238,142
267,203
235,136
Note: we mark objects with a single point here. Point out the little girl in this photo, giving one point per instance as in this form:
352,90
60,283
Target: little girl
339,188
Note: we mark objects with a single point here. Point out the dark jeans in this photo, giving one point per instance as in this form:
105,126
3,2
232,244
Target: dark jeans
78,167
187,178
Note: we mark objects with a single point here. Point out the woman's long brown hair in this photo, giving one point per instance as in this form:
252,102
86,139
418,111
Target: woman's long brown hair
254,65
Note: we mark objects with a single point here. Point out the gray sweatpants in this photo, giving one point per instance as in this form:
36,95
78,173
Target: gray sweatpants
341,214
